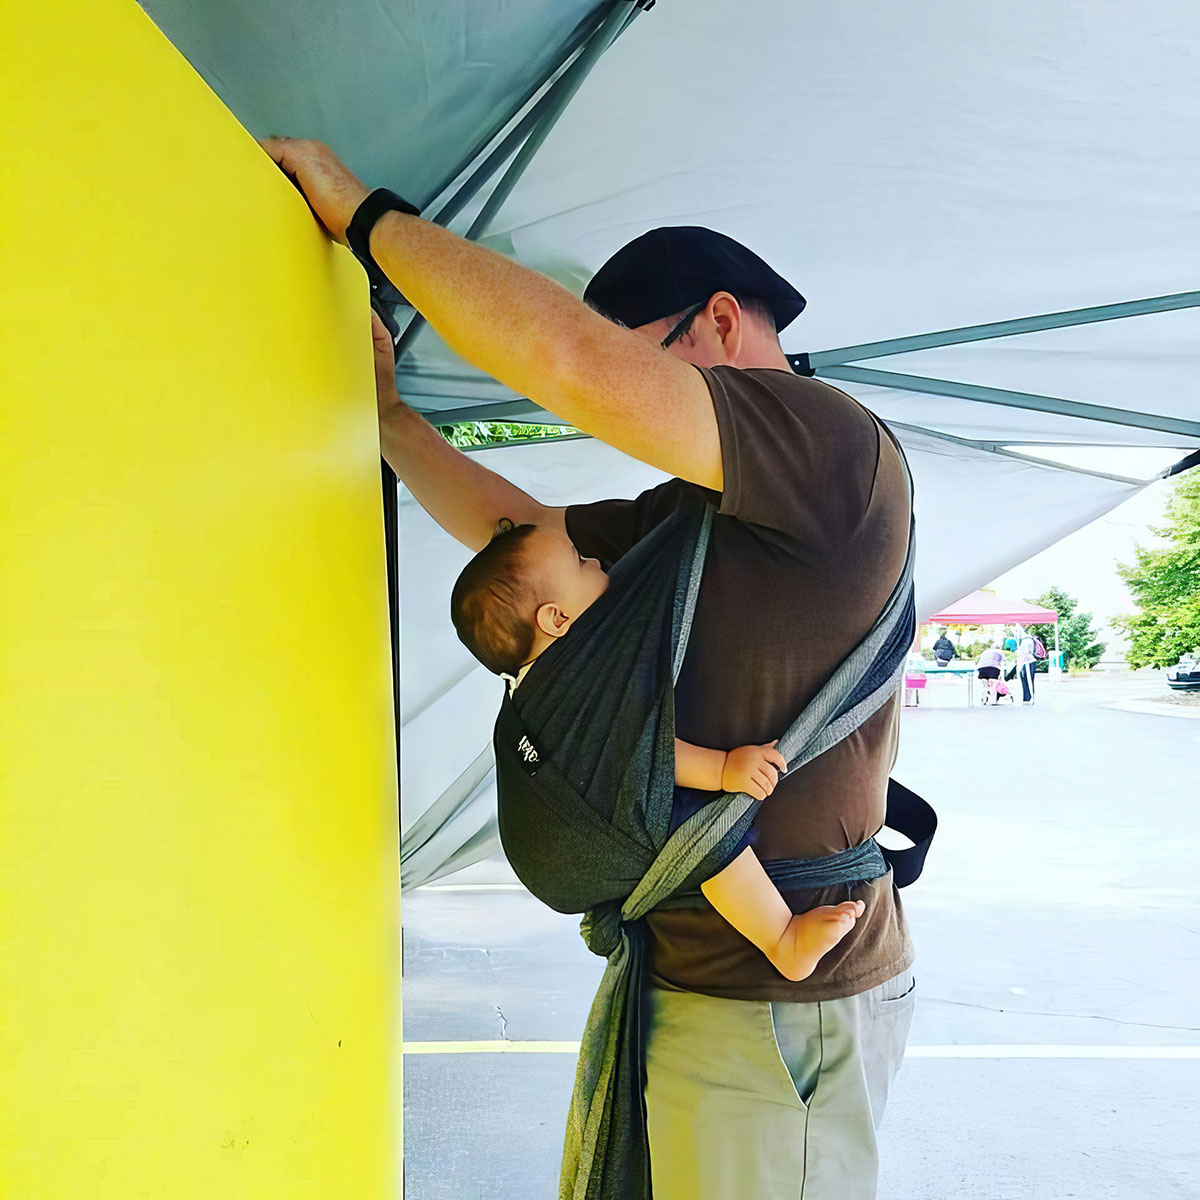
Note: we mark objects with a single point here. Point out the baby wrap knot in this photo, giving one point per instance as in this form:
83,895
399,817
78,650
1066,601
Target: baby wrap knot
601,928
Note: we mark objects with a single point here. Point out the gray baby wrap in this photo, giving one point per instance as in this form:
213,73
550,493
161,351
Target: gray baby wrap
585,774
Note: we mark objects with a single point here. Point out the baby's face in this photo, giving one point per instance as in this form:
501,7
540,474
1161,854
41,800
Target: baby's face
563,576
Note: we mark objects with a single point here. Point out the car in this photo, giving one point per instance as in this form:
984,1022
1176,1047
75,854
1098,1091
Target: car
1184,676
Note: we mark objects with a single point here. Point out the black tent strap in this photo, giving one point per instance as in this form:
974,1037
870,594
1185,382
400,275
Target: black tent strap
909,814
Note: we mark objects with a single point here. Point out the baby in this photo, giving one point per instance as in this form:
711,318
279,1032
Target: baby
524,590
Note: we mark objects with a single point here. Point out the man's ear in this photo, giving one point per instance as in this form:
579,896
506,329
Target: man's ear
551,620
729,320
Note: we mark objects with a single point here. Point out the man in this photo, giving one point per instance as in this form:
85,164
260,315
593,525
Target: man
756,1086
943,650
1026,663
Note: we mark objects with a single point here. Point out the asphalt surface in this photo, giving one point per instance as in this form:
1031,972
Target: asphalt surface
1055,1050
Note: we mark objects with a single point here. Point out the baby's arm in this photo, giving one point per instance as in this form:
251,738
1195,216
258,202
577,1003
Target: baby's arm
697,767
754,770
794,942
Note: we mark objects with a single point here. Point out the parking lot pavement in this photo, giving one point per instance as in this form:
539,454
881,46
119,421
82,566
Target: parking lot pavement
1055,1047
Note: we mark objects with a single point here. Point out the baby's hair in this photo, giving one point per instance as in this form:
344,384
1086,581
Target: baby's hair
493,603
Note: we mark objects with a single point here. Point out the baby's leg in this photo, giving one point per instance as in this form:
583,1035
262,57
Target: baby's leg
817,931
744,895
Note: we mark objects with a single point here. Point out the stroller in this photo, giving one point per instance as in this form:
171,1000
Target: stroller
1003,691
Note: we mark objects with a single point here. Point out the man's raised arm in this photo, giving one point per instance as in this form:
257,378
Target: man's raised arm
526,331
458,492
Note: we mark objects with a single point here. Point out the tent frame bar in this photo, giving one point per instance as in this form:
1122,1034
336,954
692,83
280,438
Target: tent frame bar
999,329
1004,452
1001,396
841,363
530,132
581,34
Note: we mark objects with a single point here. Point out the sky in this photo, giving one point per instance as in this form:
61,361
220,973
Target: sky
1084,563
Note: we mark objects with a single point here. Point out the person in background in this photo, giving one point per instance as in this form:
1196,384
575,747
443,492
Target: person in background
1026,664
943,650
990,664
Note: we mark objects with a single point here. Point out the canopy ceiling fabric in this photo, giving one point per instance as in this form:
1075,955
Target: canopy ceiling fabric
984,608
403,90
910,168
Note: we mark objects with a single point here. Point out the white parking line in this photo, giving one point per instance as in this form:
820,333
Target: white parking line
1034,1051
984,1051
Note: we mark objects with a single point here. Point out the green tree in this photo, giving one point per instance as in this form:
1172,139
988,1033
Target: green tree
477,434
1165,583
1077,639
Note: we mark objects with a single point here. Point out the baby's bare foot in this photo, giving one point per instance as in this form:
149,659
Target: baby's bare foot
817,931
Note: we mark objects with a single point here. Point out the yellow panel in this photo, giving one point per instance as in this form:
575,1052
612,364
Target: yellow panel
198,858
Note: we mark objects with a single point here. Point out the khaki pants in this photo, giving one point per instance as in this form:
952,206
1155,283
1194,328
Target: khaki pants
752,1100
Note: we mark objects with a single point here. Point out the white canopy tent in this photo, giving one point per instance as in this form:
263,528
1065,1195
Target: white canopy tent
912,169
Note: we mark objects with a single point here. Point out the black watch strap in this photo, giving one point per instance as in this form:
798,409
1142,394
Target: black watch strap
358,232
384,294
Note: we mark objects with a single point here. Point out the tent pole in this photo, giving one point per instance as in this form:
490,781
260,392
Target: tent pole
490,165
573,43
1027,400
998,329
572,79
535,128
1004,452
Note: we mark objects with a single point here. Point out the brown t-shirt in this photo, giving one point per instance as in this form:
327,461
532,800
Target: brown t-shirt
810,539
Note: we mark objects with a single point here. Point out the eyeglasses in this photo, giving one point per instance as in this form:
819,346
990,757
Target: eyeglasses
684,323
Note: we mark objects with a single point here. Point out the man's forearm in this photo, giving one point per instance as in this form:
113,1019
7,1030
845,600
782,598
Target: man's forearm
534,336
511,322
462,495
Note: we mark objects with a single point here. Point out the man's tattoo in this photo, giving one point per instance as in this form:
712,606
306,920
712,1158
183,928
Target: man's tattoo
504,525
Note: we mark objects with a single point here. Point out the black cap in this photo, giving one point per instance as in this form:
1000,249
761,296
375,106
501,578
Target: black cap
673,267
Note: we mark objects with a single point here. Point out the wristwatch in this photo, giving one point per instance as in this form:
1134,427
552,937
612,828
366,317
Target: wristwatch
384,294
358,232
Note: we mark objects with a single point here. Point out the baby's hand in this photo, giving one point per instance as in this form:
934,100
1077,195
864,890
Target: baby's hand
754,770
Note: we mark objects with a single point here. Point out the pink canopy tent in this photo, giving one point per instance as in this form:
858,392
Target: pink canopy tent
984,608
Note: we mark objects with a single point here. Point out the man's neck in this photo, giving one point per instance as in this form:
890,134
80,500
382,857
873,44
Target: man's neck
759,357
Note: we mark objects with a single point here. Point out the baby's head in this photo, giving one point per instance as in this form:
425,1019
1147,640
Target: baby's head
523,590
